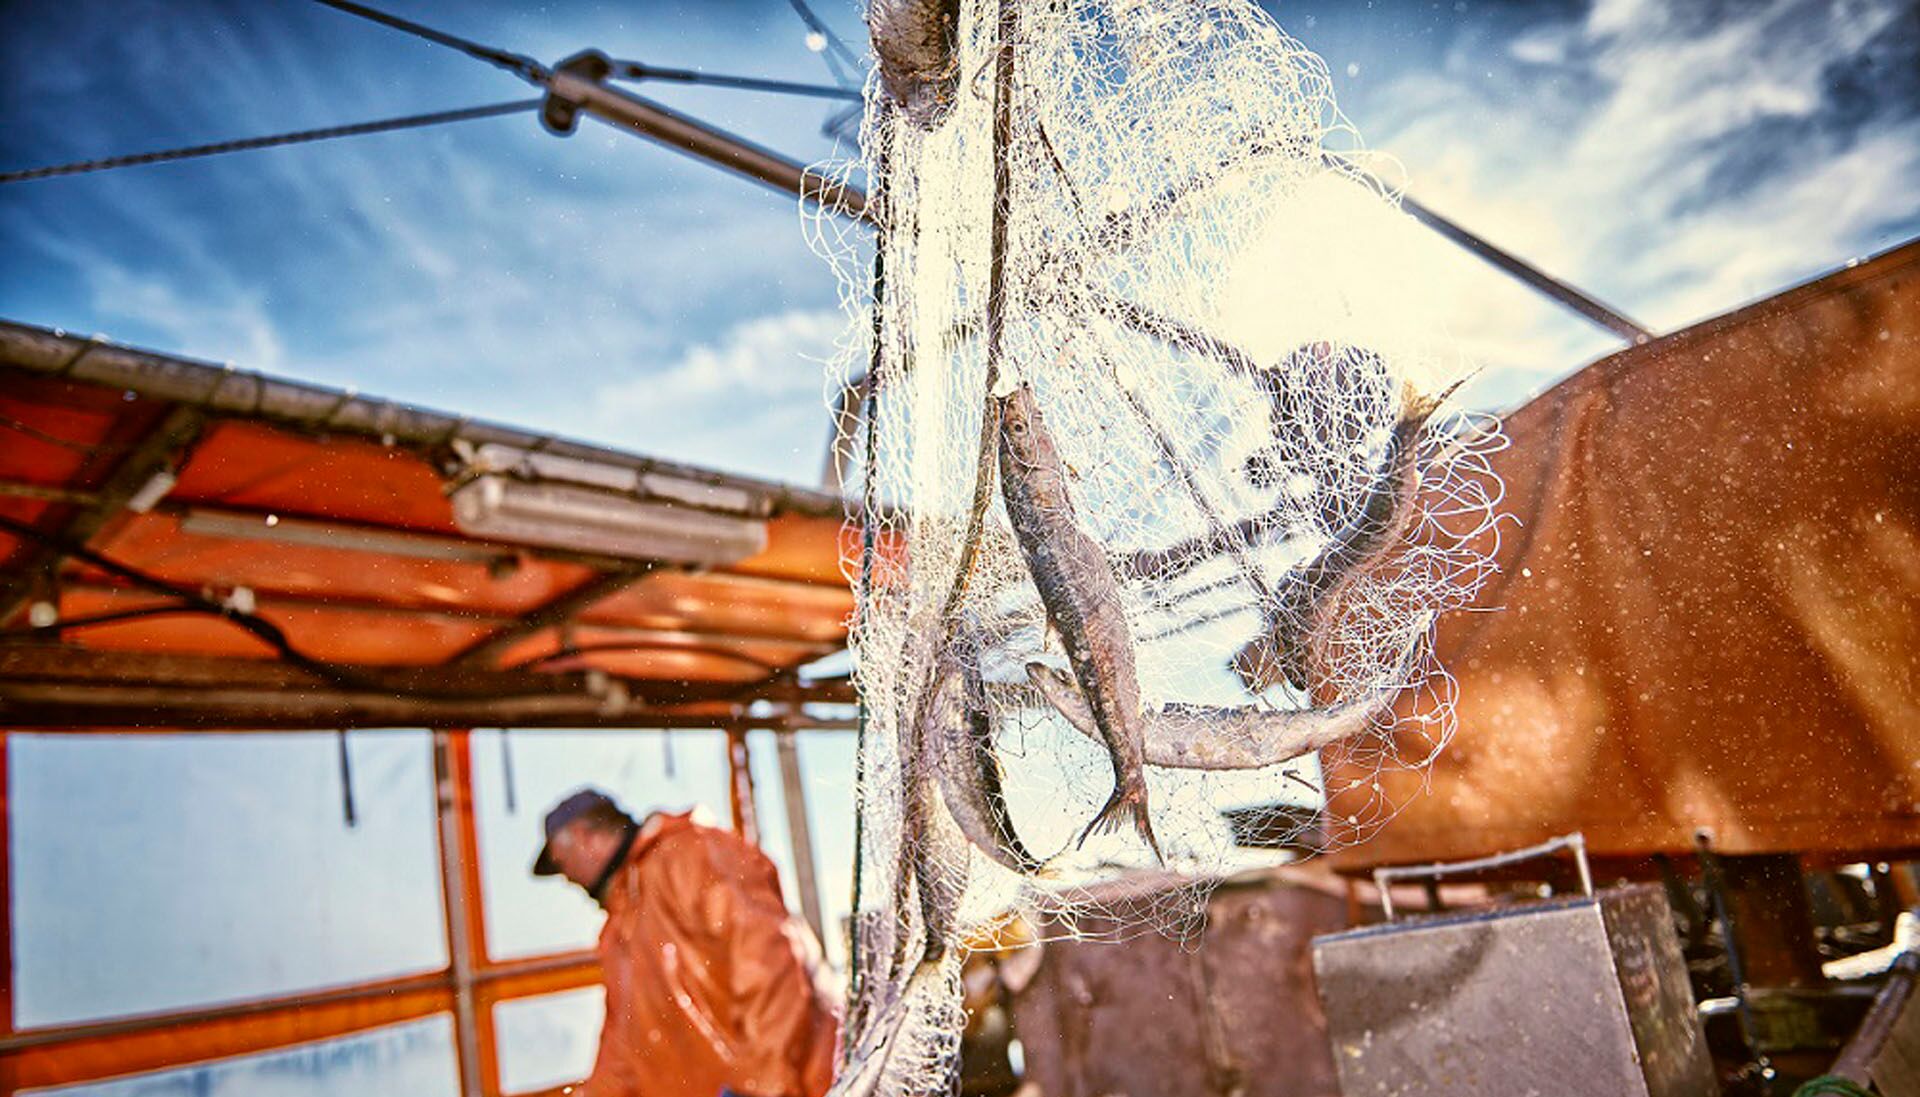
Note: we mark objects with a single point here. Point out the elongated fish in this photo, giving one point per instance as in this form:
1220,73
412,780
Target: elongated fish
1282,648
930,864
969,771
1209,737
1082,600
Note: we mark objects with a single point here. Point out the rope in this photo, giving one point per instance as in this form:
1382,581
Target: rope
356,129
869,501
8,422
640,70
526,68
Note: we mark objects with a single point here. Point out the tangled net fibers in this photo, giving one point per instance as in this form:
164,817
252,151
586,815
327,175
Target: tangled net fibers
1157,505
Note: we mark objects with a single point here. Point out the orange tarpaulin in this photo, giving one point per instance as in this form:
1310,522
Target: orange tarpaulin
1709,615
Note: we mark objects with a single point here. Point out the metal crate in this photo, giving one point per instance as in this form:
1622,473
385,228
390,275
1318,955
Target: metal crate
1582,997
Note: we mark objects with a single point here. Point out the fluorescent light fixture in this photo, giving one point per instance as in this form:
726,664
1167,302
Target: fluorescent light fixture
528,465
589,519
205,522
151,492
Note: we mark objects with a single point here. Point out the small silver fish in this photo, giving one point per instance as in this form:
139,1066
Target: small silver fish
1082,600
969,771
932,862
1283,648
1207,737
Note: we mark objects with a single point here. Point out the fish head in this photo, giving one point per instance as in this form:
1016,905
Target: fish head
1023,430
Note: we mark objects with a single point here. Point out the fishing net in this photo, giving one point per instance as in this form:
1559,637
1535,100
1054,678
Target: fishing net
1150,214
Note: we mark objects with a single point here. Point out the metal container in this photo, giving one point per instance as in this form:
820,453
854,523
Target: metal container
1582,997
1229,1014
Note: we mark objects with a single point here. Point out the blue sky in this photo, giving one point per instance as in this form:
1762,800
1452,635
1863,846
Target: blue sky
1674,160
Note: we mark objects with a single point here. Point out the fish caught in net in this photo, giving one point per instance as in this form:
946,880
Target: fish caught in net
1159,490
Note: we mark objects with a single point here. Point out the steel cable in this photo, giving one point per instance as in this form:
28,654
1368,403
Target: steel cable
356,129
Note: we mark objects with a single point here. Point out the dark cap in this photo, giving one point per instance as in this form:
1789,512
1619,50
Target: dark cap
577,804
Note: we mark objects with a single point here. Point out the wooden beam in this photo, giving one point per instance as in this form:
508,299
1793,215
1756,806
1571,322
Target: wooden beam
558,611
39,663
20,489
6,895
272,599
746,819
535,977
107,710
71,1054
793,787
463,922
155,453
54,687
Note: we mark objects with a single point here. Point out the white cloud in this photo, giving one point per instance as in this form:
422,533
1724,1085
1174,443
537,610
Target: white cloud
234,326
1673,161
750,401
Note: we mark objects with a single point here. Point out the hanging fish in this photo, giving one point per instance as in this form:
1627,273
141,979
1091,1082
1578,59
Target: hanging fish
1082,600
1209,737
969,770
1281,648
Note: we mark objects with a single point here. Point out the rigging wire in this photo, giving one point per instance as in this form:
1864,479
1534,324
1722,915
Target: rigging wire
835,46
356,129
640,70
526,68
8,422
632,70
67,624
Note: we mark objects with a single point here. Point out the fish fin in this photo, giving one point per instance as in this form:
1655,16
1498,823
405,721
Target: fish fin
1419,407
1120,805
1063,694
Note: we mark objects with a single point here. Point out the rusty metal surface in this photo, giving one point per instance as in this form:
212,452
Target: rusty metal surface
1896,1058
1151,1018
1575,998
1709,615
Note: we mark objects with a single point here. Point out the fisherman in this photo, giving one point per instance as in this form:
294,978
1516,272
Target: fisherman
712,986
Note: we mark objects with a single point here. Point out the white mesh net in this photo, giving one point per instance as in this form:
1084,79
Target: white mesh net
1144,222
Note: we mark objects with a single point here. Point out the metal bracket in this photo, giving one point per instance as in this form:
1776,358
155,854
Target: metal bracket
1576,842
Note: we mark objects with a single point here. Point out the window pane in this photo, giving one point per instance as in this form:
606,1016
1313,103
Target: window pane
826,768
415,1058
548,1041
163,871
645,771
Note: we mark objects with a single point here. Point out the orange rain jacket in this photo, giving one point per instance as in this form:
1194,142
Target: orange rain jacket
711,984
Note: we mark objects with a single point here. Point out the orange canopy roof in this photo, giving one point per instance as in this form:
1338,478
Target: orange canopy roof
1709,615
330,513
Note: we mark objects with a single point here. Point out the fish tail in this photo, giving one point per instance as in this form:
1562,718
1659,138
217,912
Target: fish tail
1266,659
1125,801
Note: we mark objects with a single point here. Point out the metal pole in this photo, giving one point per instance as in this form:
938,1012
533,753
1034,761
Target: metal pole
746,822
799,831
1529,275
576,84
6,901
453,875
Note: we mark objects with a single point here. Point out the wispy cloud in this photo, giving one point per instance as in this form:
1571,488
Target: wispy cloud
750,401
1676,159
